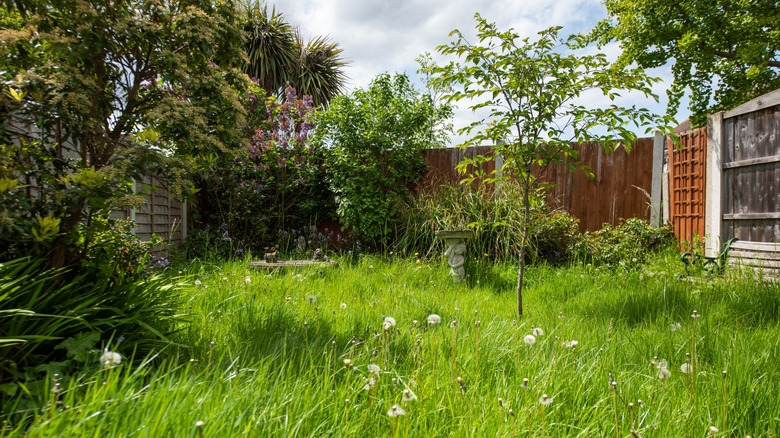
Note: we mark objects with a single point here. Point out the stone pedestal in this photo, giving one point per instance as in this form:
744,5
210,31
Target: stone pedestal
456,250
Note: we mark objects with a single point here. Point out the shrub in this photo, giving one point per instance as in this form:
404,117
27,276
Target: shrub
495,217
630,241
374,138
277,182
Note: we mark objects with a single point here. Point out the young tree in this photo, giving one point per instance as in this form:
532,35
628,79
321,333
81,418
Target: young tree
533,92
374,138
725,52
85,76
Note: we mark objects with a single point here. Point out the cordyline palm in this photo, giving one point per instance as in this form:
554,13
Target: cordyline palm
278,56
271,47
318,71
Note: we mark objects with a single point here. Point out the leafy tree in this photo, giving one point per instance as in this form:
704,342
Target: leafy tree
533,92
279,56
82,78
725,52
374,137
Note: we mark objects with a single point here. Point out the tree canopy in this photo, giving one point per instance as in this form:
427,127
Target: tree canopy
724,52
82,78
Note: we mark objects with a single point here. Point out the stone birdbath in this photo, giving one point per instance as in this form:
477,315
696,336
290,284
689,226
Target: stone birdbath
456,250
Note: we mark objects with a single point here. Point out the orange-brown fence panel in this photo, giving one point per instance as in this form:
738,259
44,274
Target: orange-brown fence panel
687,163
618,189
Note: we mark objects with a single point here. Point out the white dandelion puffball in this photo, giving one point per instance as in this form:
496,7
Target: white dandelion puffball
388,323
544,400
713,430
537,331
434,319
247,280
110,358
664,373
409,395
343,306
312,299
686,368
529,339
198,283
662,364
396,411
374,368
198,424
369,384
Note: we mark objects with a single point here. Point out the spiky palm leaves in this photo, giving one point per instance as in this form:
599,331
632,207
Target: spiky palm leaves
278,56
271,47
319,70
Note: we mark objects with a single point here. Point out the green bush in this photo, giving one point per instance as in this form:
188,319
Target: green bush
374,138
630,241
495,218
55,320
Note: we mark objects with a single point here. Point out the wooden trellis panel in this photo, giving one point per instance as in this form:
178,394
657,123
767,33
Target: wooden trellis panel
687,163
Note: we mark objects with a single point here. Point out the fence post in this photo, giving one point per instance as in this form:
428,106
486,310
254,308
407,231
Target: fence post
656,187
713,211
132,209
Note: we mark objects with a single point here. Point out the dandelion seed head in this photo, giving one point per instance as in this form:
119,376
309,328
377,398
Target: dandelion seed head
434,319
343,306
686,368
110,359
664,374
396,411
713,430
247,280
374,368
198,283
544,400
409,395
388,323
312,299
454,324
525,383
530,340
537,331
198,424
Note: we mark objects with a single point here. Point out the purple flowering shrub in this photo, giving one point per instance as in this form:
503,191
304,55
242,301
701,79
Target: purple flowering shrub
277,180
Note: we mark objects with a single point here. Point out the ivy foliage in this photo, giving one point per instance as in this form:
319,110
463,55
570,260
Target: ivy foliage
725,52
374,137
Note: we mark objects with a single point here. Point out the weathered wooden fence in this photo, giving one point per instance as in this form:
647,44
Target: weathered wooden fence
619,188
743,178
163,215
687,161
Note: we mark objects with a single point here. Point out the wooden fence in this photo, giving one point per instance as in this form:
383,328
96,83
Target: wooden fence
743,178
163,215
619,188
687,161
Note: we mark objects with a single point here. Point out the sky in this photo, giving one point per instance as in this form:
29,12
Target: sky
383,36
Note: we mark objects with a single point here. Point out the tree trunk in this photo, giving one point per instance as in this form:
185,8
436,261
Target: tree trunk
521,261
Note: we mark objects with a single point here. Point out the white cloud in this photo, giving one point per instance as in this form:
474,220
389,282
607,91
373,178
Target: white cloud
381,36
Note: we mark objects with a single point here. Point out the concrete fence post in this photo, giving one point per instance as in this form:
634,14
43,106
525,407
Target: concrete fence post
713,209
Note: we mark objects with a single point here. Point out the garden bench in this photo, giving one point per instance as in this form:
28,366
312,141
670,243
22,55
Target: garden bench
710,265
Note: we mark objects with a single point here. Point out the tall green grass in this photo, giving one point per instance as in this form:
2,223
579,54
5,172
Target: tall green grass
288,354
496,217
